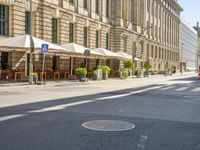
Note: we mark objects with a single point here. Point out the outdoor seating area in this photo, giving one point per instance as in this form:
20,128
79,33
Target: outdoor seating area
12,75
60,61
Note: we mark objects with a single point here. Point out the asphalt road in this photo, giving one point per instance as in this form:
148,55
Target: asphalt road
166,116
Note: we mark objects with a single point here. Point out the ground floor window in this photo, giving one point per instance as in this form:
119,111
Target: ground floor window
108,63
54,63
4,60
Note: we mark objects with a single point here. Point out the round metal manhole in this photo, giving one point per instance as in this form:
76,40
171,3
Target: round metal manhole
108,125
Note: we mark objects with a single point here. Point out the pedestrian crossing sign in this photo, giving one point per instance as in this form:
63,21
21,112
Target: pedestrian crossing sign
45,48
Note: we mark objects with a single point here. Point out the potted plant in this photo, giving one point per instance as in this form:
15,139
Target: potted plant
81,73
123,73
147,66
95,75
128,64
105,71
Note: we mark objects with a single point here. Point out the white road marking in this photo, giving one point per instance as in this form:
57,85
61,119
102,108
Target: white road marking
11,117
197,89
59,107
181,88
64,106
128,94
167,88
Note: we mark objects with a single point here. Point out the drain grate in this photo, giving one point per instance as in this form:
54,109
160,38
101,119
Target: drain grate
108,125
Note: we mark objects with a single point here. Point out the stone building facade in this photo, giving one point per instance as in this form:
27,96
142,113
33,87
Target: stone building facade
197,28
148,29
143,28
188,46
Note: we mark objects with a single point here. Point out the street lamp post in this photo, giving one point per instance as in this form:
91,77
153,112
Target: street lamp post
31,48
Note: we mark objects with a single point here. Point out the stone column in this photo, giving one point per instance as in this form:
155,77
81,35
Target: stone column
161,24
138,13
153,19
118,11
134,13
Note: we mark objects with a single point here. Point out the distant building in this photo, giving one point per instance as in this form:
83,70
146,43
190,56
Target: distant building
197,28
188,46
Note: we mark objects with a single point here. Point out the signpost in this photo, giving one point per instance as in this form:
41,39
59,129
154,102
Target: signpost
86,54
44,50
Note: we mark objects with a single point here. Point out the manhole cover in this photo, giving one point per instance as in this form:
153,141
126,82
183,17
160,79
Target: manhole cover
108,125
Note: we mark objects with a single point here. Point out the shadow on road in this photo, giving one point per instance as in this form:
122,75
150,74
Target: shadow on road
56,124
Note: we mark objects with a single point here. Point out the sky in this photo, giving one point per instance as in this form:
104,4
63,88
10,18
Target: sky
191,12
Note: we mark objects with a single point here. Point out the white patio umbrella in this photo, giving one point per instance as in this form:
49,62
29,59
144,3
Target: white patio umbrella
125,55
107,53
78,49
137,59
23,43
128,56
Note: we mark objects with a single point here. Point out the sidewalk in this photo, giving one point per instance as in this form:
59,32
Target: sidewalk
77,83
12,94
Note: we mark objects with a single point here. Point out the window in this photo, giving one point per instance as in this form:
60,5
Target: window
4,60
156,52
27,22
152,50
107,8
85,36
54,62
71,1
108,63
107,41
97,6
54,30
71,32
97,39
85,4
97,62
4,20
134,48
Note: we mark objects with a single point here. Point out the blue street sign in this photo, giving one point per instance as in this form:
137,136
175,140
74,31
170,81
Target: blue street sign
45,48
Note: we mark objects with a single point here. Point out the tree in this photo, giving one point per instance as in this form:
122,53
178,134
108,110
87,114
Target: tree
128,64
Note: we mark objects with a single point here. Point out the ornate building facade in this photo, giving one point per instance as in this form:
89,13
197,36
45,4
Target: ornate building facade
143,28
148,29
